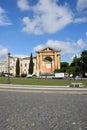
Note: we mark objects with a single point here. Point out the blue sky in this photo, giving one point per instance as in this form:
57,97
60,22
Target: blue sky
30,25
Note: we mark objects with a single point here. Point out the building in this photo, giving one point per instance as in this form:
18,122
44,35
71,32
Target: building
3,67
24,65
12,65
46,61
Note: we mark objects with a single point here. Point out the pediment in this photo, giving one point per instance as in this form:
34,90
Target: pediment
47,49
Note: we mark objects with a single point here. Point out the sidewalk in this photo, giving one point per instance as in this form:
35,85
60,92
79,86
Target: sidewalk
29,86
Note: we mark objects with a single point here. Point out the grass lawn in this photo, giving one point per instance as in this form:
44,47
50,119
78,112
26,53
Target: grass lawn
34,81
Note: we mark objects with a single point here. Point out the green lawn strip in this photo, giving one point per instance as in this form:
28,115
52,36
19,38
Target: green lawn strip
3,80
49,82
34,81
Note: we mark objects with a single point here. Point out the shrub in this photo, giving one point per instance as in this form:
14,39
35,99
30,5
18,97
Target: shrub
23,75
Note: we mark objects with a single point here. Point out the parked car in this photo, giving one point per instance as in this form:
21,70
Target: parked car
7,75
29,76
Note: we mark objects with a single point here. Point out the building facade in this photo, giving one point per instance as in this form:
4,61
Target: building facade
3,67
24,65
46,61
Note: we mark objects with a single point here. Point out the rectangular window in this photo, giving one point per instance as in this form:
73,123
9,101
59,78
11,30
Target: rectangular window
25,65
48,66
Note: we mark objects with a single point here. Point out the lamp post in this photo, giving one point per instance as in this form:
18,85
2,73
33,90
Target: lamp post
8,68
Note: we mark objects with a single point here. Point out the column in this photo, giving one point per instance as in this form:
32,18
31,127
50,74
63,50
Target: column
40,62
58,61
55,61
37,64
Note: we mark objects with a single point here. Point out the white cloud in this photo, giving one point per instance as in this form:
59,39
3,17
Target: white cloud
4,21
86,33
80,20
68,48
81,12
81,44
39,47
81,5
23,5
65,47
49,17
3,53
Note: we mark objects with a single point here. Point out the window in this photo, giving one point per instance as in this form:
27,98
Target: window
25,65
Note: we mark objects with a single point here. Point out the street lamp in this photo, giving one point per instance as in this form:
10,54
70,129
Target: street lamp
8,68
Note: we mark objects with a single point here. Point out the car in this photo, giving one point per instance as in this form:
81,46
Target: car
29,76
7,75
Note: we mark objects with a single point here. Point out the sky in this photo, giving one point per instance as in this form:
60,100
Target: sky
27,26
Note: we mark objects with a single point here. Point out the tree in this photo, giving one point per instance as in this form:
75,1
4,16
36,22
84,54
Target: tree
84,62
31,64
78,66
75,66
64,67
76,61
17,67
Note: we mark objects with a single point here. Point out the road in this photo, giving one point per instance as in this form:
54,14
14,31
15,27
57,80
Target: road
43,109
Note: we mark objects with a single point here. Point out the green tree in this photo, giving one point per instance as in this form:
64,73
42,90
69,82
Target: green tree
75,66
64,67
17,67
84,62
31,64
76,61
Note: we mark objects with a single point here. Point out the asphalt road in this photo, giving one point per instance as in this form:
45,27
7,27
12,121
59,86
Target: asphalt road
25,110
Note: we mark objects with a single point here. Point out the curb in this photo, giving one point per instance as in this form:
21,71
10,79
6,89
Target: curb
18,85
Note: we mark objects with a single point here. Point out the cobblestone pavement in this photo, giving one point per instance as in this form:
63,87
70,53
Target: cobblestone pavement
41,111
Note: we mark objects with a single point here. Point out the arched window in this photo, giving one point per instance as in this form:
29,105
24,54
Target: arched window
48,58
